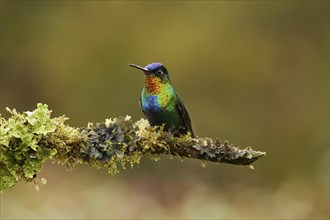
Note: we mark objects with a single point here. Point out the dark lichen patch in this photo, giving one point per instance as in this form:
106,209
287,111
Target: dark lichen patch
112,142
120,141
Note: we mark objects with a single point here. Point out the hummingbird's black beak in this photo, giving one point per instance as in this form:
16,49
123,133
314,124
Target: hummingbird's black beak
139,67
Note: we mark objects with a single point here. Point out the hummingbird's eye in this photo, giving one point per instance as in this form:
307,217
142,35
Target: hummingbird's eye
160,72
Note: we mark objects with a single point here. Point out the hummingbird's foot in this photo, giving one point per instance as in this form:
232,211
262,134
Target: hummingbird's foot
168,136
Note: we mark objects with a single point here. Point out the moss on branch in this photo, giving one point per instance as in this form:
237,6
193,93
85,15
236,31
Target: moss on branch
28,139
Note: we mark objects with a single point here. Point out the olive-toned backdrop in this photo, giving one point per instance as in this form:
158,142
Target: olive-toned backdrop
251,72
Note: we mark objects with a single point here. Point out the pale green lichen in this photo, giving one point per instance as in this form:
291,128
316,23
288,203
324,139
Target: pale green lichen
21,157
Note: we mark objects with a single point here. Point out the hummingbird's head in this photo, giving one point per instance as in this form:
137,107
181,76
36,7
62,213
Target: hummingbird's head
157,80
154,70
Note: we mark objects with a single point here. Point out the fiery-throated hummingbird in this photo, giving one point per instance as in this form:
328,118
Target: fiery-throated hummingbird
159,102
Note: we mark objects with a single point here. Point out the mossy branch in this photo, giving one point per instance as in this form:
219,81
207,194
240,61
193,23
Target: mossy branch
28,139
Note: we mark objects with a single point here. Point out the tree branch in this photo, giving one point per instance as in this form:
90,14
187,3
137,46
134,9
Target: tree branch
28,139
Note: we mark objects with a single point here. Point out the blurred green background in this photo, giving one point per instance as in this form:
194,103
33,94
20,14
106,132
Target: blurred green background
251,72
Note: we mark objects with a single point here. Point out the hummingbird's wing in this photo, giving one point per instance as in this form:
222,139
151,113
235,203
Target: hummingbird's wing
184,114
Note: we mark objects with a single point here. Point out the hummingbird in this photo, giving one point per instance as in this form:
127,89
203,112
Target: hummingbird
159,102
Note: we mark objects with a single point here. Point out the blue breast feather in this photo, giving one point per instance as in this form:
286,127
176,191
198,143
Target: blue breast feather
151,103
